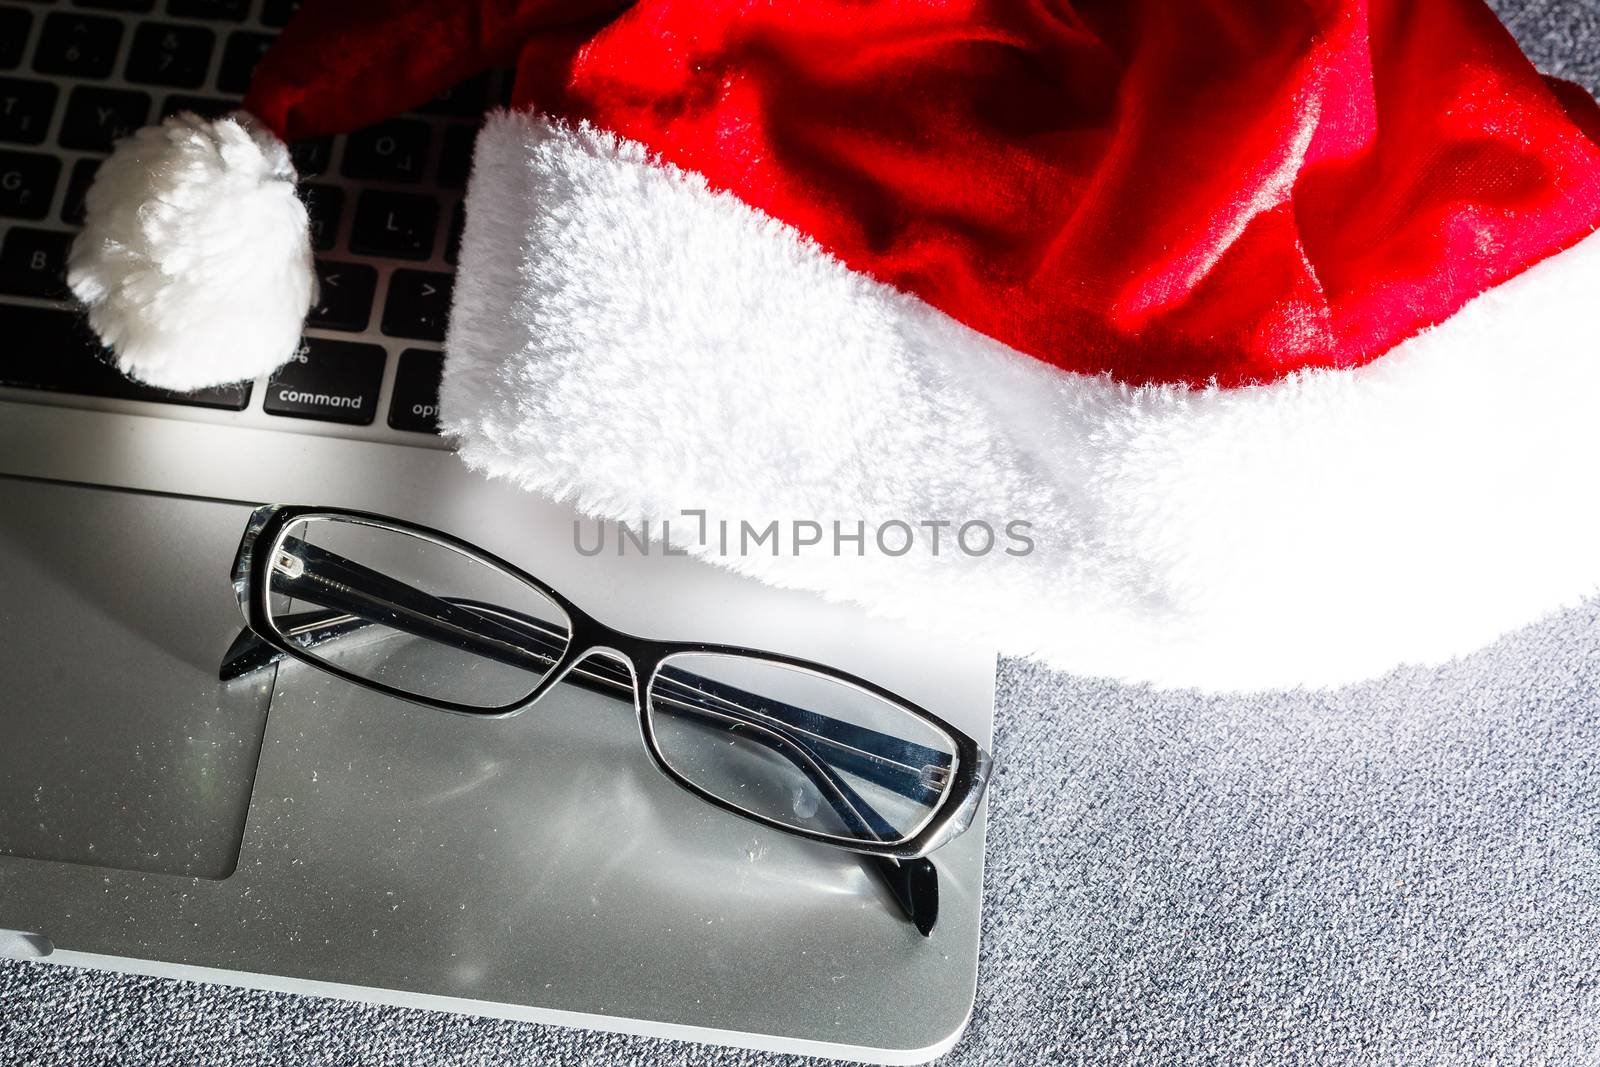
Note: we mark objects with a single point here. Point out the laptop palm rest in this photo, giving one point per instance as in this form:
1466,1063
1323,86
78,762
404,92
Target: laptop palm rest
298,832
119,749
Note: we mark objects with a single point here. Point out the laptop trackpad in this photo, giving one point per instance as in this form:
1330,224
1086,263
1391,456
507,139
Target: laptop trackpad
118,746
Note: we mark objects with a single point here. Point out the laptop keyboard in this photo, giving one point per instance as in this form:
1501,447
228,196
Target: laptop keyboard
384,202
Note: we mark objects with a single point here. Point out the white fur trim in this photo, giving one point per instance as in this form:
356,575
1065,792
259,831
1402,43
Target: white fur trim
195,263
627,339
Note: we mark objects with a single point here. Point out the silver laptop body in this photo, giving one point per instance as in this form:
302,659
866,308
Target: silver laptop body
290,831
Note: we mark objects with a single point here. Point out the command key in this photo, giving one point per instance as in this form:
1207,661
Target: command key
335,381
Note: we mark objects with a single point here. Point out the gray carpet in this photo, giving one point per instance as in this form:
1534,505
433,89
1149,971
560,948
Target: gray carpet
1406,873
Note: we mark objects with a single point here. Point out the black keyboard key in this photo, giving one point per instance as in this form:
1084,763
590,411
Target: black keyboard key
97,118
27,182
455,157
393,151
55,350
418,304
335,381
83,46
223,10
401,225
452,241
277,13
15,22
344,296
324,205
73,209
207,107
25,110
311,155
165,53
415,403
133,6
239,58
34,263
469,100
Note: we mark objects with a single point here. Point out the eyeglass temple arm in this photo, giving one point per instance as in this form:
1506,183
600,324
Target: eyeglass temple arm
914,883
505,635
498,633
249,653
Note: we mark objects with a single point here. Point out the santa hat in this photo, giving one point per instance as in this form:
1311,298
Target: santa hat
1272,322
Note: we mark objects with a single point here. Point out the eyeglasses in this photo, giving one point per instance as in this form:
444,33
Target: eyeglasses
793,745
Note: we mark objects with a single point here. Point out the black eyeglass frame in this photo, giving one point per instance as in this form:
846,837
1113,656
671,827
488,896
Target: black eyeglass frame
642,656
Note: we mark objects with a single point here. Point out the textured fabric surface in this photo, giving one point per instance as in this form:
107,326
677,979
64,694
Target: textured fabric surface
182,219
1307,531
1199,191
1312,532
1405,872
1206,191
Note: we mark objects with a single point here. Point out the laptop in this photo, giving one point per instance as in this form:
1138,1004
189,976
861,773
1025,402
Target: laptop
287,830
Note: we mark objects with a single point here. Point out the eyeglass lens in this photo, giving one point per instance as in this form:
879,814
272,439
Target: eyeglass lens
798,747
802,748
416,615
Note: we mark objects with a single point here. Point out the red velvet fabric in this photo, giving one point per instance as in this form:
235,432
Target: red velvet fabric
1164,190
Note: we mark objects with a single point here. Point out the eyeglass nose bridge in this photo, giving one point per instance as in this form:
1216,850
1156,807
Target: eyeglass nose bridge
592,638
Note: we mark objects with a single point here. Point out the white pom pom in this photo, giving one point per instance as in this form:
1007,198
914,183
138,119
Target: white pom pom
195,263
